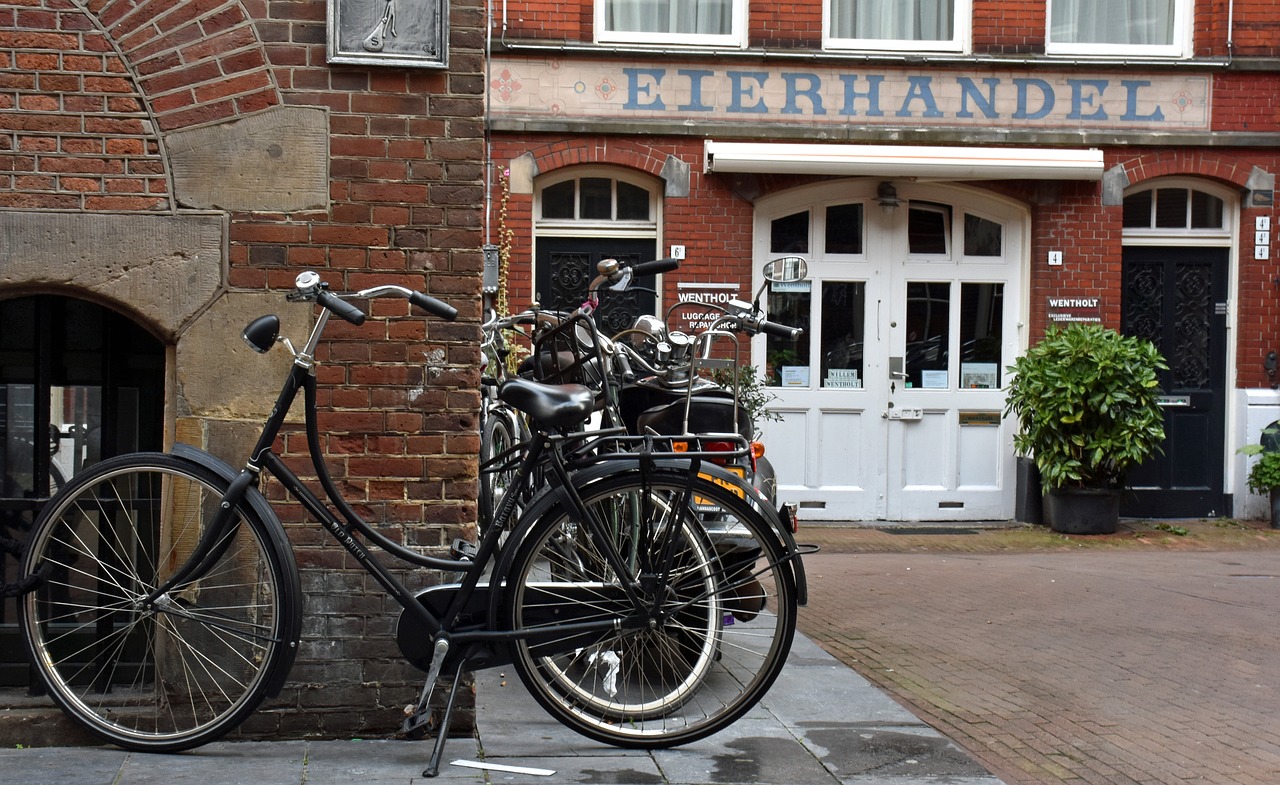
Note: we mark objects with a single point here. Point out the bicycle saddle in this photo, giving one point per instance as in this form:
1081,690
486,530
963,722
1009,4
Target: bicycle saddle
553,406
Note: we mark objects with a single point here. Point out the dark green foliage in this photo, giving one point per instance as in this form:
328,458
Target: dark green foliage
1087,400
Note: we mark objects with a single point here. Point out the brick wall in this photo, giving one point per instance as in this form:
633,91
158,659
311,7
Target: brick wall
88,95
998,26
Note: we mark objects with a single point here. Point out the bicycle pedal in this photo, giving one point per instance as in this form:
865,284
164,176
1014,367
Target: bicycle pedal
463,550
417,726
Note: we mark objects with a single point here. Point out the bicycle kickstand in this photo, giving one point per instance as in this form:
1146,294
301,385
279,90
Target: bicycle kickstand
442,732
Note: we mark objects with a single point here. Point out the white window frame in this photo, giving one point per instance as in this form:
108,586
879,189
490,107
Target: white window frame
960,41
735,39
1179,47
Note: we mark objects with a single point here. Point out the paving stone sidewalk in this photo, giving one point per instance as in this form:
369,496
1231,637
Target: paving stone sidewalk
1119,664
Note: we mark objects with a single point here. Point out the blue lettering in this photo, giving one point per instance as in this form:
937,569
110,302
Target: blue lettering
695,90
921,89
986,104
1080,101
1132,86
739,89
814,84
636,90
1046,99
851,95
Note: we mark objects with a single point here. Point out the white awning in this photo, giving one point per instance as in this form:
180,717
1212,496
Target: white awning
923,163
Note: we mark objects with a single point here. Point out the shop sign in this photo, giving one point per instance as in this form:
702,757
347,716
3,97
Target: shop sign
692,319
1075,309
697,90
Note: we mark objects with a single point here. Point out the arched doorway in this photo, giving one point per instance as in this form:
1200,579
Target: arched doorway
583,215
891,400
78,383
1177,272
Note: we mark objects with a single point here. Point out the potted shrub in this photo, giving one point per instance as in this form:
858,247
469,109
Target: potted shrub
1264,474
1087,402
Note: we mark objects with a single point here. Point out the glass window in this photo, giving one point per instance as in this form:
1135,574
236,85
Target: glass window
981,335
633,202
1206,211
595,199
843,324
928,334
981,237
928,229
897,24
687,22
1137,210
844,229
787,361
790,234
1128,27
1173,208
557,200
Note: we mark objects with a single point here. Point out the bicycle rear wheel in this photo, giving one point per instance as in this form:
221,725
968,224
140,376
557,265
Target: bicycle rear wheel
710,633
200,659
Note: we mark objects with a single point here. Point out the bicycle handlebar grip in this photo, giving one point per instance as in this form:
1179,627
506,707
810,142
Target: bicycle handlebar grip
433,306
340,307
780,330
654,267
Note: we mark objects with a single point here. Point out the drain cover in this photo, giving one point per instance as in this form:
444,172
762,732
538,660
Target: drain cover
927,530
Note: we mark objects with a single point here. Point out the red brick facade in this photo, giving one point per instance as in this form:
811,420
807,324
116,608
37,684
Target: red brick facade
90,94
1006,40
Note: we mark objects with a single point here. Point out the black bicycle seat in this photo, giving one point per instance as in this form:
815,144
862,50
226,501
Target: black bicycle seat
553,406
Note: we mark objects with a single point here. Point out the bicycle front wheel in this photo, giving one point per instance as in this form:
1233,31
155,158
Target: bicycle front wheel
698,640
186,668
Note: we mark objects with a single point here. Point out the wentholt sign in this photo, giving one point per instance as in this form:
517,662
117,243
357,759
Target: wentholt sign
1075,309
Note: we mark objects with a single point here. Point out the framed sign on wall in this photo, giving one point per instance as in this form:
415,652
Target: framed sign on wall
403,33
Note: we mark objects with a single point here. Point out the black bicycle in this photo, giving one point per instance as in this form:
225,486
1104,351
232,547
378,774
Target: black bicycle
168,603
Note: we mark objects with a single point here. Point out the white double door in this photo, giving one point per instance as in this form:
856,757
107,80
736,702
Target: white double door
891,402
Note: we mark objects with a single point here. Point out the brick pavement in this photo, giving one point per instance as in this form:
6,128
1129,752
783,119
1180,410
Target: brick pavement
1115,666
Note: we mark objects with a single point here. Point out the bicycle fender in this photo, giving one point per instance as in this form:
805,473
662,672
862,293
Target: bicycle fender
259,506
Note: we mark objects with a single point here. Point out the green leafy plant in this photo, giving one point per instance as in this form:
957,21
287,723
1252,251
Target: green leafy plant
752,392
1087,401
1264,474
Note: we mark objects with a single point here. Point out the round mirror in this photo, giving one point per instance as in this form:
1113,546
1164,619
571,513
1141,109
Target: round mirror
786,269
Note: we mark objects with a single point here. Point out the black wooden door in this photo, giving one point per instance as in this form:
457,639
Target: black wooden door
1175,297
566,265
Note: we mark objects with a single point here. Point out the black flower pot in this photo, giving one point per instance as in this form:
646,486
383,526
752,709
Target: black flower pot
1083,510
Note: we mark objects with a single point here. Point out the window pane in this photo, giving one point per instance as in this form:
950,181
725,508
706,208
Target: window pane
1138,22
1171,208
557,200
928,334
692,17
787,361
981,237
893,20
927,229
981,335
633,203
843,322
1206,211
595,198
844,229
1137,210
790,234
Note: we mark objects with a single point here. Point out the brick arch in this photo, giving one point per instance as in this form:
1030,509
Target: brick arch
1222,167
195,62
89,90
624,153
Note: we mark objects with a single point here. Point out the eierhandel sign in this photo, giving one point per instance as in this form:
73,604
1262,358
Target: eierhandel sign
532,87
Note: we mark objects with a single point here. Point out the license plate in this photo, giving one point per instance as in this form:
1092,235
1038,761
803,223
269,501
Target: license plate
706,505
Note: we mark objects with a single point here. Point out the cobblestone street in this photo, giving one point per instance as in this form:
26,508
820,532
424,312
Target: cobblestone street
1115,665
